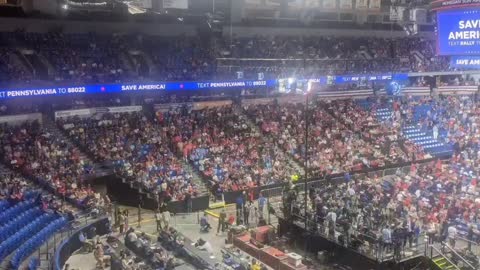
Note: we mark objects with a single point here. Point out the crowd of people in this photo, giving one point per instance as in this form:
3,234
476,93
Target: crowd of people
380,215
94,58
336,143
38,154
307,55
222,145
435,201
138,148
13,187
10,72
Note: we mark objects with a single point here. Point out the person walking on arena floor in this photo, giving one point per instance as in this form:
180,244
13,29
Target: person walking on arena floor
222,218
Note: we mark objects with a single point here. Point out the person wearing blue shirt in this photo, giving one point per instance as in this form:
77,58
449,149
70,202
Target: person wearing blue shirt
262,201
239,201
347,177
387,238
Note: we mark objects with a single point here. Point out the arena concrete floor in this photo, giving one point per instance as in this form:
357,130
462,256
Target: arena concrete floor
187,224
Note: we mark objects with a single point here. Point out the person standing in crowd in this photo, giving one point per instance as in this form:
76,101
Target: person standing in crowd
98,253
387,238
158,220
397,241
246,214
332,222
125,214
262,202
252,215
452,235
121,222
222,219
240,208
188,202
435,131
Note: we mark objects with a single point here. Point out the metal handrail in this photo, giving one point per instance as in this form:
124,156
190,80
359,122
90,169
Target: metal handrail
466,240
445,257
458,255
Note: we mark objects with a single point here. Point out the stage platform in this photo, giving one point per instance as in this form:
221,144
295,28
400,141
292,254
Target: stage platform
359,258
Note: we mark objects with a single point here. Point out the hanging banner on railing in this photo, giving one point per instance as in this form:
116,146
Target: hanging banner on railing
70,113
124,109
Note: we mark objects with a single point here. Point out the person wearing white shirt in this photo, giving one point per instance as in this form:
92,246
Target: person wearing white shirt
452,234
332,220
351,191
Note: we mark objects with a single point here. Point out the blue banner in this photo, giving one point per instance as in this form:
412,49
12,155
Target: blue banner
465,62
188,86
458,32
118,88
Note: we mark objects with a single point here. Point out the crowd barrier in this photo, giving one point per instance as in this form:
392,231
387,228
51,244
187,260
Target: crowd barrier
125,193
72,243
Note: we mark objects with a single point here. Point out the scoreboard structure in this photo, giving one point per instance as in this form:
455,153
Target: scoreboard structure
458,31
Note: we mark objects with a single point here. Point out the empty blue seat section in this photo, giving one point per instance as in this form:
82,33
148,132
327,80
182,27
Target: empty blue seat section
33,264
24,227
15,224
14,211
29,246
424,137
383,113
4,205
26,232
30,195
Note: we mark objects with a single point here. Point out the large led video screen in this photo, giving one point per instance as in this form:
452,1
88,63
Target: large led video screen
458,32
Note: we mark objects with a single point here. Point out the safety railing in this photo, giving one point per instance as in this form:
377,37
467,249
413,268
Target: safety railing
456,258
45,253
438,252
375,249
472,246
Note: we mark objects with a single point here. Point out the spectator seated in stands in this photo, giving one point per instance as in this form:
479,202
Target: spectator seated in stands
223,147
286,122
139,150
38,154
94,58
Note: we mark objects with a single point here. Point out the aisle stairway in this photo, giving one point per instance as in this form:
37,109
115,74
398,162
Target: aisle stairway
382,114
443,263
424,138
197,179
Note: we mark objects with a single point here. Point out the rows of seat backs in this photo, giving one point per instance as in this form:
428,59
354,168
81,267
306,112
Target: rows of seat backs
24,227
